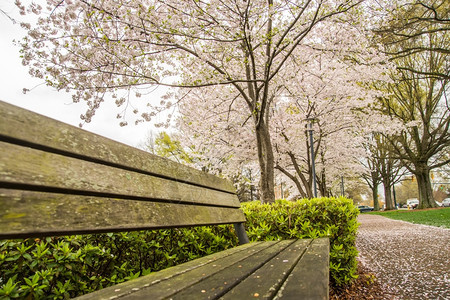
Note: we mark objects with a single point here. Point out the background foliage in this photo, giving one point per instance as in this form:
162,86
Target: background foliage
63,267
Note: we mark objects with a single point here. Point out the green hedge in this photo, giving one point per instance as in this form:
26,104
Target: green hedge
63,267
310,218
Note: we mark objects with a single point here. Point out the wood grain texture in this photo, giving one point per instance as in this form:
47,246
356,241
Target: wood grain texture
27,166
310,277
267,280
30,214
23,125
168,281
190,285
263,270
220,283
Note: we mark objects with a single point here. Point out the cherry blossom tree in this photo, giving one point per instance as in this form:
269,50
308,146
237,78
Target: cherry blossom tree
328,82
333,90
372,162
389,168
218,130
98,48
373,179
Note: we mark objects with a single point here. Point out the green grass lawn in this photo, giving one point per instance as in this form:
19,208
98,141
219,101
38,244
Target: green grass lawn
434,217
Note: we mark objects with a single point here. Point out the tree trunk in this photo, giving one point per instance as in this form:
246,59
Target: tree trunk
422,173
387,194
323,189
294,179
266,163
376,203
307,184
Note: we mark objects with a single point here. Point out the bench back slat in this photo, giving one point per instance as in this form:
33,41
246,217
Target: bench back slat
57,179
29,128
30,214
39,170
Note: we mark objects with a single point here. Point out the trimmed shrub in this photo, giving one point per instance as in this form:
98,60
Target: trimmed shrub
310,218
63,267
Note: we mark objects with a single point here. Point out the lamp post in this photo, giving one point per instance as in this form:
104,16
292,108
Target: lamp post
311,143
395,198
251,186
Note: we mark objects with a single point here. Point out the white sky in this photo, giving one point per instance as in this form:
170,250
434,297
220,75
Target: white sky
45,100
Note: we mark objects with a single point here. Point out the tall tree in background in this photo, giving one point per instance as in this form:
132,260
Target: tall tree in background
371,175
373,181
389,169
417,38
381,167
98,48
407,27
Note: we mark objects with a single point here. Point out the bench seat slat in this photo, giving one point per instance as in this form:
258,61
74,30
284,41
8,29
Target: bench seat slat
23,126
310,277
204,281
29,213
266,281
168,281
262,270
215,286
27,166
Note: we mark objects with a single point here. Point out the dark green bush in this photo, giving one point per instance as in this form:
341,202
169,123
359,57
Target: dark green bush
310,218
63,267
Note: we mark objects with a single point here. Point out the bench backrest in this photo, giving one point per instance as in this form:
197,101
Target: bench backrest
56,179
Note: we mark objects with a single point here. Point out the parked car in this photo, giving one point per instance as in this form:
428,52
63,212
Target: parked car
365,208
446,202
412,203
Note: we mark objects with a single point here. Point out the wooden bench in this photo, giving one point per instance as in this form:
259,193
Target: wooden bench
57,179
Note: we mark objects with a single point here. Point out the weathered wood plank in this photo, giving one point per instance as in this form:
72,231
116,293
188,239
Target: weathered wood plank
309,279
210,277
192,285
168,281
217,285
265,282
24,125
23,165
27,213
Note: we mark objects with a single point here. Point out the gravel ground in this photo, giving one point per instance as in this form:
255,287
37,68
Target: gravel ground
410,261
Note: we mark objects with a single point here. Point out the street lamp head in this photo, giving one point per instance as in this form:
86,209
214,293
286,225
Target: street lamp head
311,119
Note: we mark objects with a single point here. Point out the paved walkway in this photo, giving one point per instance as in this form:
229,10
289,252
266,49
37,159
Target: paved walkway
410,261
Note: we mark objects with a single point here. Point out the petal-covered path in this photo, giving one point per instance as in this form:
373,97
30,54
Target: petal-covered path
411,261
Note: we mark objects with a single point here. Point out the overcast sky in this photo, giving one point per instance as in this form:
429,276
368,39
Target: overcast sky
44,100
